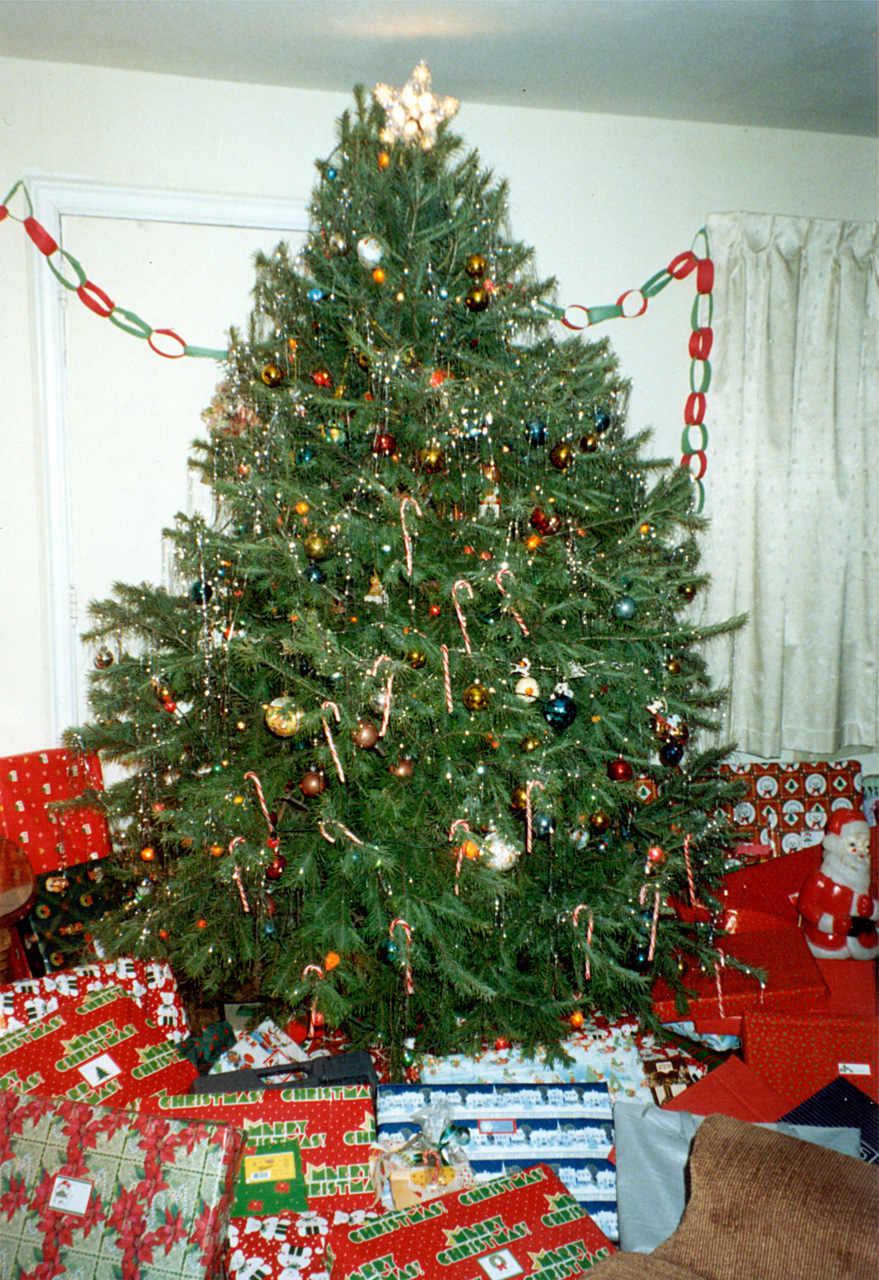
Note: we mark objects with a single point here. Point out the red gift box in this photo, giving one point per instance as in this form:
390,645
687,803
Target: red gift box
792,978
765,896
333,1127
799,1053
92,1192
523,1225
732,1089
102,1050
30,785
151,982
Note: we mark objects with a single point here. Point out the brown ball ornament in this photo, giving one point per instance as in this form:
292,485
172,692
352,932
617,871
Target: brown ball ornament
673,666
475,266
416,658
475,697
103,659
589,443
687,591
365,735
599,821
404,767
313,783
384,445
561,455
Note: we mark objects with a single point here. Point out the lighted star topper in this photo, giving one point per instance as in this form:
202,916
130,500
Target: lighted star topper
413,113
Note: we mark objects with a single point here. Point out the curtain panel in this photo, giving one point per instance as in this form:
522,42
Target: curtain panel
792,482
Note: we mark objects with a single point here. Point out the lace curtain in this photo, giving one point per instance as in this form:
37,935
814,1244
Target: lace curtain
792,482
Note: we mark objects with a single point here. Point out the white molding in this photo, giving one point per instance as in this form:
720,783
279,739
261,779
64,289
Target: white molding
53,197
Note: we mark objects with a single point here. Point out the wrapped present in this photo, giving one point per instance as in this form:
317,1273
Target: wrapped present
786,806
334,1129
764,897
840,1103
101,1049
601,1051
151,982
791,977
265,1045
67,905
98,1193
799,1053
285,1246
526,1224
30,786
503,1128
733,1089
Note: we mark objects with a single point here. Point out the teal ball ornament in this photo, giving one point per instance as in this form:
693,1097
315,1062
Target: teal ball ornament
671,754
625,608
560,711
387,951
535,432
315,574
543,825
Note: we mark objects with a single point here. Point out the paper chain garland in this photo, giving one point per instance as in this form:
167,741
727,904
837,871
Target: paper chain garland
629,306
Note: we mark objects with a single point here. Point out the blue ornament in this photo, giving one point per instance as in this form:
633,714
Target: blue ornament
560,711
305,455
543,825
201,592
269,929
671,753
602,421
625,608
330,173
315,294
387,951
536,432
314,573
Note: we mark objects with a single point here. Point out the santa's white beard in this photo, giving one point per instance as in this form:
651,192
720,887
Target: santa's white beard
841,871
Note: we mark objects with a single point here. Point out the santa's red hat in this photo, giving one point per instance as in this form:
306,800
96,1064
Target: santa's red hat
840,818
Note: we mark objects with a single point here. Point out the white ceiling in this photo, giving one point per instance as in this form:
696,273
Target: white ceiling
789,64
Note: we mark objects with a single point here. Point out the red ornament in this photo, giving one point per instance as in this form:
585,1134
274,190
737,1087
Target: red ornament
576,1019
620,770
539,520
201,924
321,378
271,905
435,610
384,444
437,378
502,1043
655,854
275,869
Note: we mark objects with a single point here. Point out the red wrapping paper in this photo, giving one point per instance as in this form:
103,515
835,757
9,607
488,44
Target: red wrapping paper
799,1053
29,785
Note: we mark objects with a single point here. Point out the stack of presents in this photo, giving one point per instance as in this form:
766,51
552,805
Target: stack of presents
132,1149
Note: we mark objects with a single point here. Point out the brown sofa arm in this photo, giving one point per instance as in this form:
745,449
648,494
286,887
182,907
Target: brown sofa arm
764,1206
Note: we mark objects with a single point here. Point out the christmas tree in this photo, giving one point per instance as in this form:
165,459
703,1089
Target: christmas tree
412,746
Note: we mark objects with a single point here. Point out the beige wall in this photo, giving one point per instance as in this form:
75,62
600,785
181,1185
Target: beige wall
606,200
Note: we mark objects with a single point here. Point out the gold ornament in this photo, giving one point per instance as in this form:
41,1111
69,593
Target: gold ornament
413,113
519,797
316,546
688,591
432,459
530,742
561,455
272,375
282,717
589,442
476,298
475,266
673,666
416,658
475,697
599,821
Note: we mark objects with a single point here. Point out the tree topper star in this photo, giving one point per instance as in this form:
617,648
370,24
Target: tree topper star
413,113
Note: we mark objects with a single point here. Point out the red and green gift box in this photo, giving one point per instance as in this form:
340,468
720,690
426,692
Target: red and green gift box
526,1224
30,786
103,1194
800,1053
100,1049
331,1129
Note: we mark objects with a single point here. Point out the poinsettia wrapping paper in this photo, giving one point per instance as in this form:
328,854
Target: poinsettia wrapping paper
100,1050
30,785
523,1225
101,1194
333,1127
151,982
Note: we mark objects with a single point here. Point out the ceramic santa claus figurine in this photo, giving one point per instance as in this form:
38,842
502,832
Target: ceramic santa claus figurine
838,904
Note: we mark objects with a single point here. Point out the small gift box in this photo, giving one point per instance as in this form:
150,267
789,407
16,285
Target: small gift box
98,1193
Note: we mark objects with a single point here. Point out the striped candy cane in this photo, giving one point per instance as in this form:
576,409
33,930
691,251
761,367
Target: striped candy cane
312,1013
330,743
447,679
462,622
529,820
500,586
651,950
587,969
236,875
718,969
332,839
399,923
407,539
464,826
273,840
690,883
